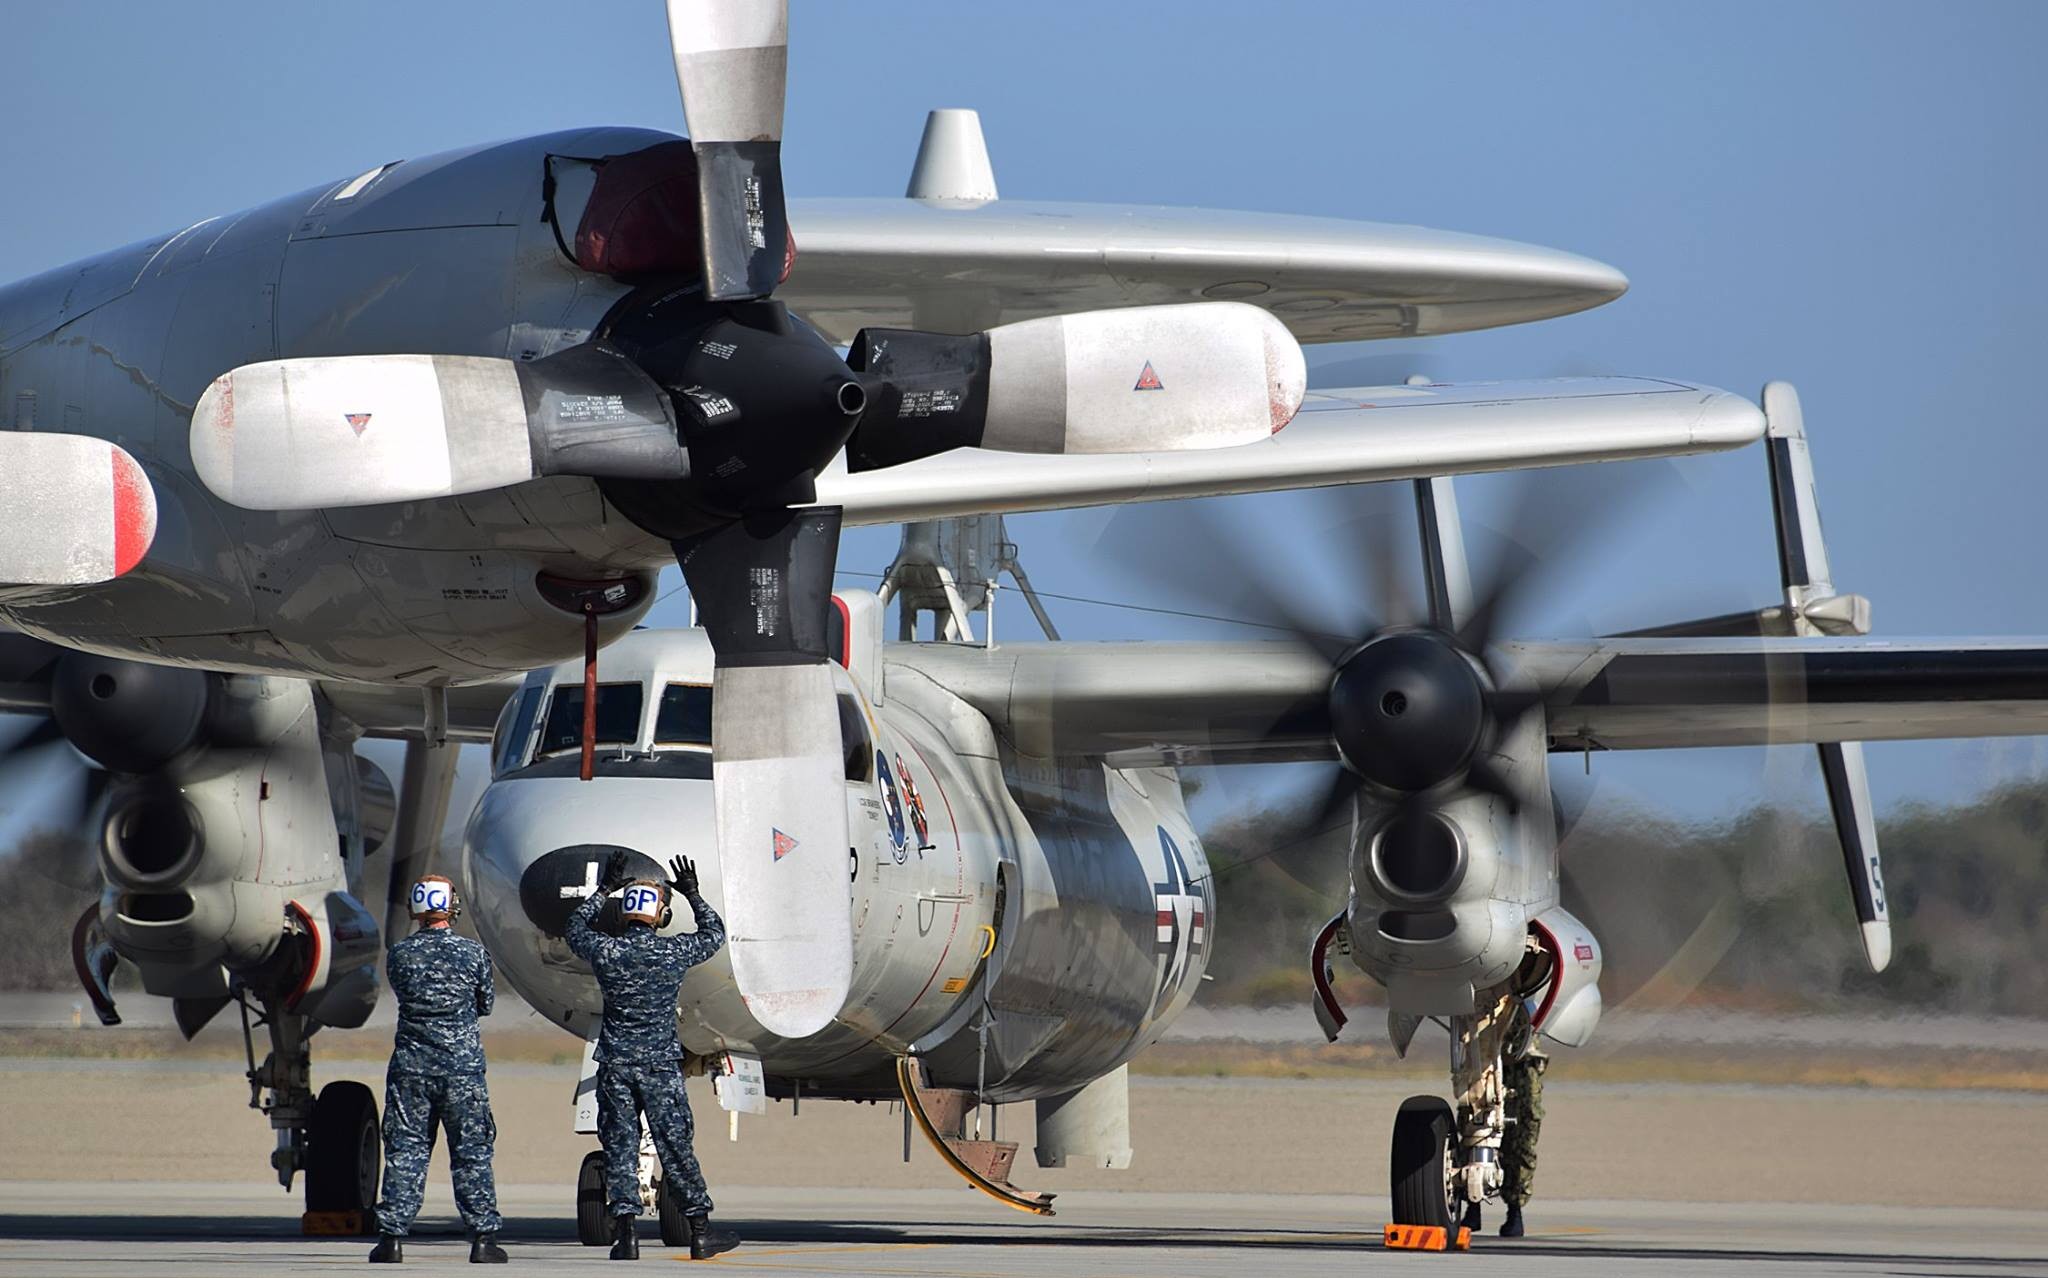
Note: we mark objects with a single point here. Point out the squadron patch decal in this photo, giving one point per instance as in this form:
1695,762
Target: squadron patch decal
914,802
892,807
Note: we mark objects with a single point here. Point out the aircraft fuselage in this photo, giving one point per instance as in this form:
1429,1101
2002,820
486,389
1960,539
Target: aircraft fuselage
1067,902
451,256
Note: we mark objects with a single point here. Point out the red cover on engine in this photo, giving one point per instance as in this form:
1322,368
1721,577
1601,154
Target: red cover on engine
641,218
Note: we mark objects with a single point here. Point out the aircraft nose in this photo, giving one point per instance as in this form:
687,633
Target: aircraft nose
537,847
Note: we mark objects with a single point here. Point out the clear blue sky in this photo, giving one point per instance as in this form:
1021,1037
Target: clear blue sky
1848,195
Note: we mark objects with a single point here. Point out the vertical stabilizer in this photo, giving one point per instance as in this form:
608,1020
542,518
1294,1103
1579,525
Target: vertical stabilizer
1815,609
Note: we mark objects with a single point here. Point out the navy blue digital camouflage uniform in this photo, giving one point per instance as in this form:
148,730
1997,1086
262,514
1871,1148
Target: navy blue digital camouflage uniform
639,1058
443,984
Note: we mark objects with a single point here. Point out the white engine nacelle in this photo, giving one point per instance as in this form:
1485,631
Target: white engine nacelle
1568,1008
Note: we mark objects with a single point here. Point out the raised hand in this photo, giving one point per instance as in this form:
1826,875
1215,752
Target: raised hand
614,871
682,875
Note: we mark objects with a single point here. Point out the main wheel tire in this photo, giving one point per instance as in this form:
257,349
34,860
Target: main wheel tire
1423,1193
593,1222
675,1230
344,1152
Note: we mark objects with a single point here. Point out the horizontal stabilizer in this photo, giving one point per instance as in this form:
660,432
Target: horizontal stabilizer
74,510
1364,435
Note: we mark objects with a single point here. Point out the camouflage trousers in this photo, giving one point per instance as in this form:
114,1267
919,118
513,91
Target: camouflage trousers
624,1092
1523,1077
461,1104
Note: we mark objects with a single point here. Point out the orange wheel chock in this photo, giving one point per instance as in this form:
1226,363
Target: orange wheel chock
1427,1238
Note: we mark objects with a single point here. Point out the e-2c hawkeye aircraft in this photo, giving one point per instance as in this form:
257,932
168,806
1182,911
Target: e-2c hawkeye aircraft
350,463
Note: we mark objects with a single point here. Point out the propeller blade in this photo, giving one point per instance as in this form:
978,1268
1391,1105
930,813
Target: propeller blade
1549,517
762,586
48,787
1140,379
74,511
732,64
369,430
1192,550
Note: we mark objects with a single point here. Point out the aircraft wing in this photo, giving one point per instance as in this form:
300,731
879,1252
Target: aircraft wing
380,710
1338,437
1141,703
396,711
1138,703
1649,694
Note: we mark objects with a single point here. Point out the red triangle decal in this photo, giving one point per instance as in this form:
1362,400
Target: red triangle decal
784,845
1148,380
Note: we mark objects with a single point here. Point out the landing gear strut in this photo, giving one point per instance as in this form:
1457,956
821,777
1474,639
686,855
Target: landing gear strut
332,1137
1446,1161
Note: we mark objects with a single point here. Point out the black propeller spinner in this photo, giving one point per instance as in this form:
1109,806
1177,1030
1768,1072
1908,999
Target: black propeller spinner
1417,701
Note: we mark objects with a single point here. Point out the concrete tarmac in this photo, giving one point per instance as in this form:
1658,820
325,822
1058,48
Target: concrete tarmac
117,1230
113,1167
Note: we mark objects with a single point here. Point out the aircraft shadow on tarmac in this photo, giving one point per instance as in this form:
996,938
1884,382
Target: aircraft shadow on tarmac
561,1231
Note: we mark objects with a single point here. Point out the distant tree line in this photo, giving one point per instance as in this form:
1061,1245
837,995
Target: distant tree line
1755,909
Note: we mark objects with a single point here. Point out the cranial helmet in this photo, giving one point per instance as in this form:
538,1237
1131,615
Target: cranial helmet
645,900
434,898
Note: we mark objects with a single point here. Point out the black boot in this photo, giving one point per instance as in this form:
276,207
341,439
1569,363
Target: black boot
484,1250
390,1250
628,1245
1471,1220
706,1242
1512,1226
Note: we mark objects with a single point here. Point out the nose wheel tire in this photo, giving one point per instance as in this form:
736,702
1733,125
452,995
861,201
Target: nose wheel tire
593,1222
344,1153
1424,1189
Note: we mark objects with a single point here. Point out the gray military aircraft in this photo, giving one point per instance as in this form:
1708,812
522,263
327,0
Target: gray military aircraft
350,463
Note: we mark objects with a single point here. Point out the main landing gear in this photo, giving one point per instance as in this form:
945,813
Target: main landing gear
333,1137
1446,1161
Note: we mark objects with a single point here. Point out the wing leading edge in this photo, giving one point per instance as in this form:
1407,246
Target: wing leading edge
1651,694
1265,702
1339,437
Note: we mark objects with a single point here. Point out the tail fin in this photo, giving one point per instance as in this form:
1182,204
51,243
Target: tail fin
1812,608
1815,609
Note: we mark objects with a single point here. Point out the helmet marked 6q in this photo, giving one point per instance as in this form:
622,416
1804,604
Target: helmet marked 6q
434,897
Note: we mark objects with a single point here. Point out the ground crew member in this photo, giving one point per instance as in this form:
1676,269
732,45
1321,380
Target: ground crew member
443,983
1522,1066
639,1057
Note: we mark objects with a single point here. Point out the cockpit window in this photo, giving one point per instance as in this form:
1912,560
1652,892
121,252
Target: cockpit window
685,715
853,736
618,717
515,725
